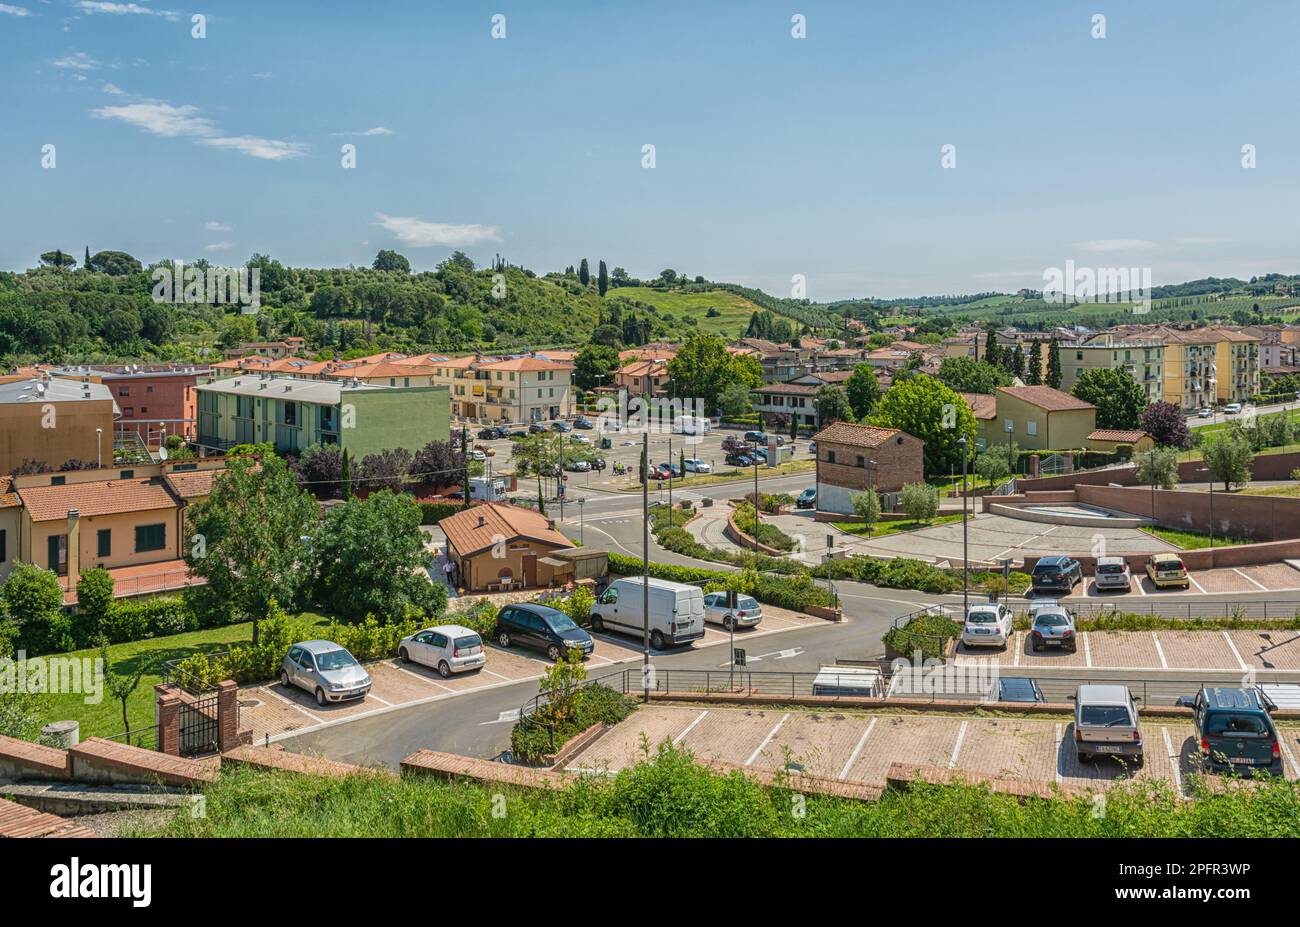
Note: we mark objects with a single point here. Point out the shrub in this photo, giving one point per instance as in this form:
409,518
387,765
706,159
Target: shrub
140,619
530,740
370,639
94,602
480,618
433,512
33,598
927,633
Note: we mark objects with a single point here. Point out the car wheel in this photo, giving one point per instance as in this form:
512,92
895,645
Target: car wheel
728,623
554,653
657,640
596,623
443,669
1139,761
284,679
320,696
503,639
406,657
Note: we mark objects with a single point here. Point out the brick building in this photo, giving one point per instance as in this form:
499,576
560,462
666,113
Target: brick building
851,458
155,400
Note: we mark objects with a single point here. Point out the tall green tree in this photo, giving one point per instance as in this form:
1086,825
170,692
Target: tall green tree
927,409
1229,458
1118,397
250,539
863,390
602,279
584,273
1034,365
832,405
387,259
704,367
594,366
1054,364
967,375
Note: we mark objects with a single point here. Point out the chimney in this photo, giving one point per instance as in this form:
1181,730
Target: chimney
550,524
482,521
74,548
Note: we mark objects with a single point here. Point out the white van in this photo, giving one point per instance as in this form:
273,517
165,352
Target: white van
676,611
691,425
851,681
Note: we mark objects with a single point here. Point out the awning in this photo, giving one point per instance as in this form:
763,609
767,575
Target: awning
552,562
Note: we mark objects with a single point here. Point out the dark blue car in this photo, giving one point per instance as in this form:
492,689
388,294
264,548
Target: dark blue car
1234,730
1056,574
542,628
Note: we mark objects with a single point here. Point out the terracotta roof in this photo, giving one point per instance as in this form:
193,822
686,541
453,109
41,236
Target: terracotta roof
856,435
643,368
192,484
109,497
1046,398
8,498
526,363
380,370
498,520
833,376
984,405
788,389
1117,434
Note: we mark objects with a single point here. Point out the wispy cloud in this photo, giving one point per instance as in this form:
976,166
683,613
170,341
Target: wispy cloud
77,61
169,121
1116,244
113,89
377,130
219,246
18,11
417,233
122,9
214,226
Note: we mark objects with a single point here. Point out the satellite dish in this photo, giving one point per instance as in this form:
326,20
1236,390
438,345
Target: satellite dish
162,453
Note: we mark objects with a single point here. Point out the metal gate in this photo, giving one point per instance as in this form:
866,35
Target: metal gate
198,723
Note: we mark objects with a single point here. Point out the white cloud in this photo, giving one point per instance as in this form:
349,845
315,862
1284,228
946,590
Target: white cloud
1116,244
78,61
18,11
113,89
214,226
417,233
377,130
122,9
219,246
185,122
263,75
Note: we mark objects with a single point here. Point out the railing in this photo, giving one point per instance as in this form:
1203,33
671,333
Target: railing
173,675
125,587
145,738
1162,608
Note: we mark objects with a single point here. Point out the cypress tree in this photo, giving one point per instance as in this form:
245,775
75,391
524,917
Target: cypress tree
584,273
602,279
1054,365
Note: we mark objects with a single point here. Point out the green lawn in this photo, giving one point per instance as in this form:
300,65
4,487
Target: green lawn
1191,540
105,718
882,528
733,311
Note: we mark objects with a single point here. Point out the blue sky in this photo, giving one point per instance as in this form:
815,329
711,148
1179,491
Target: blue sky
775,156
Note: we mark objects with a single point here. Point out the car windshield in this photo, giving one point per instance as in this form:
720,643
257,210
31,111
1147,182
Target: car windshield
981,618
747,602
1105,715
468,642
1110,568
1043,568
561,623
334,660
1245,725
1051,621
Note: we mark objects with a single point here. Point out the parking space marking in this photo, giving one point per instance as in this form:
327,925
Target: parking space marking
1233,647
1060,776
291,703
766,740
1015,638
862,742
1140,588
497,675
1087,650
690,727
956,748
1160,651
421,678
372,695
1192,579
1173,761
1250,579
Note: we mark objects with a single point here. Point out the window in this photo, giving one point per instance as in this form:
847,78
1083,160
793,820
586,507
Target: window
830,457
150,537
1009,425
1031,428
291,413
104,542
58,480
123,391
148,389
862,461
1078,355
126,475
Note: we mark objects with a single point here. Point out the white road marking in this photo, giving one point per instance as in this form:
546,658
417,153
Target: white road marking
1160,651
1286,752
371,694
770,734
956,749
1233,647
290,702
505,717
490,673
1173,761
862,742
1250,579
690,727
1027,542
1192,579
1015,659
421,678
1087,650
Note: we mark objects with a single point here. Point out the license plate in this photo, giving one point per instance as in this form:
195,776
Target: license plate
982,631
1244,760
1106,748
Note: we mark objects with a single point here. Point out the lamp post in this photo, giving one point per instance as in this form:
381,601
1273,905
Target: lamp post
645,566
965,557
582,534
756,505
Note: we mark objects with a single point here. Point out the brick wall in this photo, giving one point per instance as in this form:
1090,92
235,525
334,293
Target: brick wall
899,460
1254,518
1265,467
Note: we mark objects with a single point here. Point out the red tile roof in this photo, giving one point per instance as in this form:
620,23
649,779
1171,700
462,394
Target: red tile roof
479,528
1046,398
984,405
1118,435
109,497
856,435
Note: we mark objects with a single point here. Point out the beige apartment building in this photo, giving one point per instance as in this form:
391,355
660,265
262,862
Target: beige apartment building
1144,360
528,388
1205,366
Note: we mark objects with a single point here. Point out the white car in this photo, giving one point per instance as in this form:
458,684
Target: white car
578,466
448,648
476,454
987,625
746,614
1232,408
697,466
1205,412
580,439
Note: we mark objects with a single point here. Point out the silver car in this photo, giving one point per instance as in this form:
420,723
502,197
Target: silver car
326,670
448,648
746,614
1106,723
1112,573
988,625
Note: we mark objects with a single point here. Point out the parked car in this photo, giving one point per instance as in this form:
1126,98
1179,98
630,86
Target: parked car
518,433
1052,626
852,681
581,439
759,454
746,614
490,434
676,610
1056,574
476,454
598,463
536,428
807,499
694,465
740,460
542,628
1106,723
577,466
670,469
1232,408
1234,730
326,670
584,423
489,451
756,437
562,427
448,648
812,448
988,624
457,496
1205,412
1112,573
1019,689
1168,570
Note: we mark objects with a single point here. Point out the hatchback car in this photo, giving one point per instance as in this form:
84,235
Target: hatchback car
490,434
1168,570
584,423
1052,626
1234,730
577,466
1205,412
1019,689
542,628
746,614
988,624
1232,408
1056,574
807,499
740,460
756,437
668,469
448,648
326,670
536,428
1112,573
1106,723
694,465
562,427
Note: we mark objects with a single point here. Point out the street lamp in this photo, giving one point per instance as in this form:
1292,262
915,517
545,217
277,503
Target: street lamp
965,556
582,534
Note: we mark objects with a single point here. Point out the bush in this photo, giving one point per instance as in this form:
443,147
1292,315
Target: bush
370,639
140,619
530,740
433,512
33,598
94,602
480,618
927,633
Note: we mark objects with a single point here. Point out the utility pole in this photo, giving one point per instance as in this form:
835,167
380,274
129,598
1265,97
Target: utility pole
464,450
645,566
755,506
965,554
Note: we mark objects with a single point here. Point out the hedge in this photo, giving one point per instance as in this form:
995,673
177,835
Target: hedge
793,591
433,512
593,704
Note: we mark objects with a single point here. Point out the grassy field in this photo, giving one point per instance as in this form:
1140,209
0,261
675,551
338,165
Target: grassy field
1191,540
733,311
105,718
882,528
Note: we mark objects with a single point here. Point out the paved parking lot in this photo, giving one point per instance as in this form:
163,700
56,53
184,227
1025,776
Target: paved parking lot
861,745
1235,651
274,711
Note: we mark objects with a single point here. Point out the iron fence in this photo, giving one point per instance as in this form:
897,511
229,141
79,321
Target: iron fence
1160,608
145,738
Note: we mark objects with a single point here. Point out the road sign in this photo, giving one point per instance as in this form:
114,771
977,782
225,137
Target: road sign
738,656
